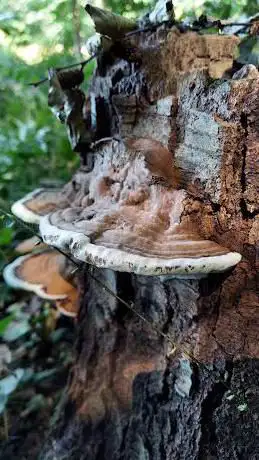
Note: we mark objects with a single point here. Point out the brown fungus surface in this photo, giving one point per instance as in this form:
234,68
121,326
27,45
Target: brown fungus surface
42,201
42,273
132,224
39,203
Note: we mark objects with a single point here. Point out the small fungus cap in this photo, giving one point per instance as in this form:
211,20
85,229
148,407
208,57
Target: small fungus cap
38,203
41,273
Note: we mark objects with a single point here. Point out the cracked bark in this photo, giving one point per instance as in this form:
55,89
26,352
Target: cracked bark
127,397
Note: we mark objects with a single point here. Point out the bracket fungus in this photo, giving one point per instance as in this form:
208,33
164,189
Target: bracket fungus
38,203
43,274
132,224
42,271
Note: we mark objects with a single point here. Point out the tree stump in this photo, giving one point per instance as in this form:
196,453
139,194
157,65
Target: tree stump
131,396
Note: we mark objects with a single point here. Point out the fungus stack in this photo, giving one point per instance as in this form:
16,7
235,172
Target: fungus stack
44,271
131,225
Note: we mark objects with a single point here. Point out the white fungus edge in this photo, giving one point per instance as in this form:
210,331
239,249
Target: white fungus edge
79,246
65,312
20,210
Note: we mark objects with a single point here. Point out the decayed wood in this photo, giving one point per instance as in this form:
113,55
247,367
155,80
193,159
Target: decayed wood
128,397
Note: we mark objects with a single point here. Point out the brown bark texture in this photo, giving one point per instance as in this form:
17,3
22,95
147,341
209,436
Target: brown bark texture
129,397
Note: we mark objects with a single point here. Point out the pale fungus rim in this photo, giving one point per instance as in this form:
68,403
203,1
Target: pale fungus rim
79,246
20,210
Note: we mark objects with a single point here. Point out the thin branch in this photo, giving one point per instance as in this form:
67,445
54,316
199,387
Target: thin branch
192,27
180,25
70,66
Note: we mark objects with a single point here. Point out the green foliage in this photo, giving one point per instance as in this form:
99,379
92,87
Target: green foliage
6,236
249,51
33,145
50,25
224,9
4,323
29,330
134,8
8,385
34,35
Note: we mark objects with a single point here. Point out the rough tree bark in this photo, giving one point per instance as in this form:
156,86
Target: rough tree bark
128,397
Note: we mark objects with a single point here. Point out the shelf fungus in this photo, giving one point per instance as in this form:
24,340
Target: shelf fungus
45,273
132,224
38,203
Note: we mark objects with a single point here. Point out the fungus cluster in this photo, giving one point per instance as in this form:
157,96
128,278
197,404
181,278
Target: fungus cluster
128,212
43,270
133,223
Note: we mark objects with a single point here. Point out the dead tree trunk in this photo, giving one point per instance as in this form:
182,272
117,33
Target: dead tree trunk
128,397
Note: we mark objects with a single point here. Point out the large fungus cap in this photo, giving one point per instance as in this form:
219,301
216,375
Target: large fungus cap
41,273
39,203
147,237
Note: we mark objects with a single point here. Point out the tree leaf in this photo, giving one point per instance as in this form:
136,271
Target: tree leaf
249,51
57,335
4,323
10,383
27,375
6,236
36,402
16,330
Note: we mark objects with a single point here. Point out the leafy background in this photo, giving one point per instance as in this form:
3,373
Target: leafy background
35,348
